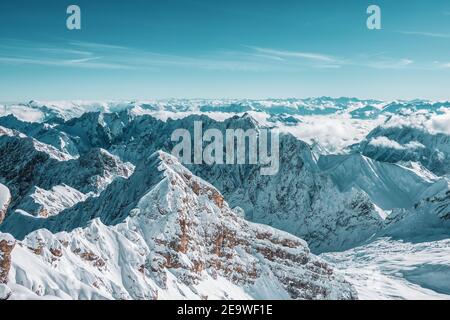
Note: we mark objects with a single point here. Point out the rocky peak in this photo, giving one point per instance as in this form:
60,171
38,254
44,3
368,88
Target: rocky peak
179,227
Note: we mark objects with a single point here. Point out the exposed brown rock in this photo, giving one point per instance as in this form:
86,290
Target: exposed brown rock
43,214
218,199
284,242
92,257
56,252
37,251
6,248
184,240
195,187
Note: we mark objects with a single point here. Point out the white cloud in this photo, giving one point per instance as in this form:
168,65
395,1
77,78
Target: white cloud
391,144
386,143
23,113
440,123
333,133
432,123
414,145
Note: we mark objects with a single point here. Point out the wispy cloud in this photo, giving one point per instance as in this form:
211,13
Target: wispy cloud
90,63
327,61
426,34
296,54
440,65
386,63
72,54
90,55
107,56
20,52
97,46
64,51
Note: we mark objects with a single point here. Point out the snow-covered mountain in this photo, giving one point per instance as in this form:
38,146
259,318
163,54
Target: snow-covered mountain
419,137
97,210
177,239
429,219
389,185
300,199
393,269
333,123
39,176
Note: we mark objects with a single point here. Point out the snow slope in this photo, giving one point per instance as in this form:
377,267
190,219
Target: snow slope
389,269
389,186
428,220
44,203
422,138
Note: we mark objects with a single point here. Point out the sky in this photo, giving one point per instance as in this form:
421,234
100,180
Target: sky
158,49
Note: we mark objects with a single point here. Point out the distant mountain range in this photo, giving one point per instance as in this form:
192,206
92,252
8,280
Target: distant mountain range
357,108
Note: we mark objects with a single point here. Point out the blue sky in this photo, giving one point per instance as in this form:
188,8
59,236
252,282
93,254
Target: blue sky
146,49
